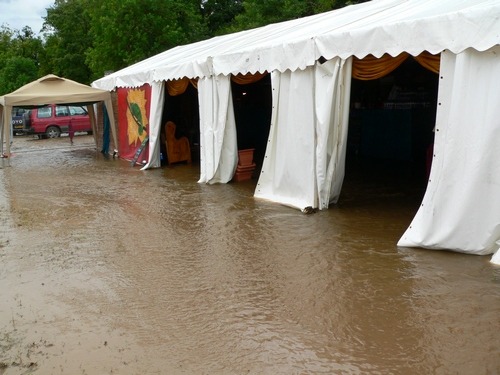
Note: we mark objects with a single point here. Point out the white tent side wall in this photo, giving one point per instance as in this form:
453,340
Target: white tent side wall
461,207
305,156
218,142
155,117
287,174
332,94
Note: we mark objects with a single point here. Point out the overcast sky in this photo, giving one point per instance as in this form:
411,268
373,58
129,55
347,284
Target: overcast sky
16,14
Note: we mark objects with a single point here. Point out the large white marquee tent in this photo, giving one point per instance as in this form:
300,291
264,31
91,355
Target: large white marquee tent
310,61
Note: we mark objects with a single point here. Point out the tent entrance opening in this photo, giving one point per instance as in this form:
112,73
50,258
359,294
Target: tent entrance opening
391,131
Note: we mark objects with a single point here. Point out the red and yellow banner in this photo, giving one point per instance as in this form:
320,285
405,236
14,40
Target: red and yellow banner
133,120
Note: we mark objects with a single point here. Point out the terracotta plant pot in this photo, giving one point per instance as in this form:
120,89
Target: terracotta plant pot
245,157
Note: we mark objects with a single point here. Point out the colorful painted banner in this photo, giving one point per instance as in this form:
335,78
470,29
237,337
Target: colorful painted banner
133,123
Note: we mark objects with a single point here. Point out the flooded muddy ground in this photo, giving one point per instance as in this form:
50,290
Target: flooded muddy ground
106,269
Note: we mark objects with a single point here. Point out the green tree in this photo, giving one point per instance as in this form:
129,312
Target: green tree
67,38
127,31
86,38
16,72
26,44
258,13
20,53
6,36
220,14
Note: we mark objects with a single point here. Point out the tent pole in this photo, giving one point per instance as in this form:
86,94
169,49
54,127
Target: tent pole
2,112
7,131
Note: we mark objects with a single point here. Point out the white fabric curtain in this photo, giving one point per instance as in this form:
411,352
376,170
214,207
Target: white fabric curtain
305,156
218,142
155,116
287,174
461,207
332,92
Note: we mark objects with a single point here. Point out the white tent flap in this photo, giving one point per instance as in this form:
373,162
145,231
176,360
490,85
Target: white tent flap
218,143
155,116
461,207
287,174
310,112
332,91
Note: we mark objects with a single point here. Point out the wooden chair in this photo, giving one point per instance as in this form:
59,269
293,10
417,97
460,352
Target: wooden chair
178,149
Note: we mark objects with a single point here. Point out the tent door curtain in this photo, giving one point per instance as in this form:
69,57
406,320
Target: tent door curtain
305,156
332,92
287,174
460,210
155,117
218,141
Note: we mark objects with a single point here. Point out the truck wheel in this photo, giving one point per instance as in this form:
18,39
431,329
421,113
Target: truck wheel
52,132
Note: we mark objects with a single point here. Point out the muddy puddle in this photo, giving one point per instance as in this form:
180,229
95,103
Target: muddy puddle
106,269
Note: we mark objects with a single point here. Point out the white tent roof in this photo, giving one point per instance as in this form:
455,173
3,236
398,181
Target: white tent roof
375,27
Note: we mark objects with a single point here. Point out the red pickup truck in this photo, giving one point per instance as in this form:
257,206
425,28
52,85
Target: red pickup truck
52,120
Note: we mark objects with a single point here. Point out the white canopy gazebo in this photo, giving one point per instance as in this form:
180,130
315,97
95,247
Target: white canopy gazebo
52,89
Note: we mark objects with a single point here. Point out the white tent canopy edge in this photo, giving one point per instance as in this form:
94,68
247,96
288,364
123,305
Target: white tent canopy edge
375,27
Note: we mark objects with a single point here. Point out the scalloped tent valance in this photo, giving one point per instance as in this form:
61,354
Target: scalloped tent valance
377,27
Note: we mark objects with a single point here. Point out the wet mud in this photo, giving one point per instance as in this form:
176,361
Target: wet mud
106,269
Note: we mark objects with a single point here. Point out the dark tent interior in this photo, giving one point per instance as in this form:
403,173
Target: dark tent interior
390,133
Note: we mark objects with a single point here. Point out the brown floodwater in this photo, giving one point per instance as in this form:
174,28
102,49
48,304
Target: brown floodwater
106,269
